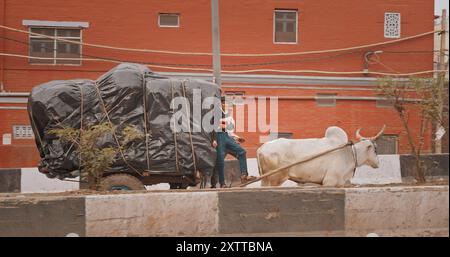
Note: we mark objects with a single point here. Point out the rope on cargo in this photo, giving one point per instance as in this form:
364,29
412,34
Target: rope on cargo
174,131
296,163
243,71
189,128
81,123
144,102
225,54
113,130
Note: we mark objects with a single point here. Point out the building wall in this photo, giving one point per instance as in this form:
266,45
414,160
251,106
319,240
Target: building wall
246,27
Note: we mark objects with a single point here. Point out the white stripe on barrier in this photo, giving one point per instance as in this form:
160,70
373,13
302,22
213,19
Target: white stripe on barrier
33,181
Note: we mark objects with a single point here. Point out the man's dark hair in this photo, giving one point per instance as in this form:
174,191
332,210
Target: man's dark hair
222,99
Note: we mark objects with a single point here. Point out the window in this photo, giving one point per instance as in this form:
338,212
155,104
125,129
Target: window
387,144
276,135
169,20
237,97
384,102
52,48
326,99
285,26
284,135
392,25
23,132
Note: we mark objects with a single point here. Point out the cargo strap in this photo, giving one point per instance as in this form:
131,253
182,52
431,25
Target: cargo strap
309,158
174,132
144,102
189,129
81,123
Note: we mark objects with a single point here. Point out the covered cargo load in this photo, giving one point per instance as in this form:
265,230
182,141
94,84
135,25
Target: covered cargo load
127,95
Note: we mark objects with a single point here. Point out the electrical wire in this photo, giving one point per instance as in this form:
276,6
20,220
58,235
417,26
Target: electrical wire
225,54
242,71
108,58
305,59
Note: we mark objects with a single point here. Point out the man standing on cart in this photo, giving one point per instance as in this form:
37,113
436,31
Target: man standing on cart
228,142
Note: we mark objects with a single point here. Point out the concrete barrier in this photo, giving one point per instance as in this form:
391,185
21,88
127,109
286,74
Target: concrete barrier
386,211
394,169
10,180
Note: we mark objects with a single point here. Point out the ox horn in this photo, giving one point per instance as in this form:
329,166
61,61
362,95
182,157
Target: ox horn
358,135
379,133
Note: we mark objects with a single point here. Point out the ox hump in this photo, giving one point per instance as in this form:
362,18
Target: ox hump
336,135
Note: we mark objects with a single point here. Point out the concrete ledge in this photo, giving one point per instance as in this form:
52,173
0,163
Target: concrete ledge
394,169
152,214
281,211
397,211
387,211
42,216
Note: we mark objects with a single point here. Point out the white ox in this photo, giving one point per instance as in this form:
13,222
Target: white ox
332,169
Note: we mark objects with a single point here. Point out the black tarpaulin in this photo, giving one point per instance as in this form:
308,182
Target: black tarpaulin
127,95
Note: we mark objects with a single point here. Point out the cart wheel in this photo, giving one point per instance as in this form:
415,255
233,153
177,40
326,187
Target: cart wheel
177,186
121,182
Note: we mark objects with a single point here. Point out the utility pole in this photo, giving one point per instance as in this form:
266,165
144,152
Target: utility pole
441,76
216,41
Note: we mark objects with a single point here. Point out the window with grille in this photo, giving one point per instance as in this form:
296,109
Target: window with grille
53,50
22,132
285,26
237,97
169,20
392,25
326,99
383,102
387,144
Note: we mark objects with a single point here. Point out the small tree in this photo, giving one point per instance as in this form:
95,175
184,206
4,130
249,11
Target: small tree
94,161
424,95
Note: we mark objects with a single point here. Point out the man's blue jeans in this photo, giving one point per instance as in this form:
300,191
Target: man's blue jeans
226,144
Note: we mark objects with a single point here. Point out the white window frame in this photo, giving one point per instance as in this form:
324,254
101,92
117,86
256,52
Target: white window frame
296,27
399,25
168,26
55,46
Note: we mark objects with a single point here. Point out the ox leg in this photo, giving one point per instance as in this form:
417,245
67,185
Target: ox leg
274,180
330,181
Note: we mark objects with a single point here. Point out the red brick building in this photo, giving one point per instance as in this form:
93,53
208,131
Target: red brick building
246,27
